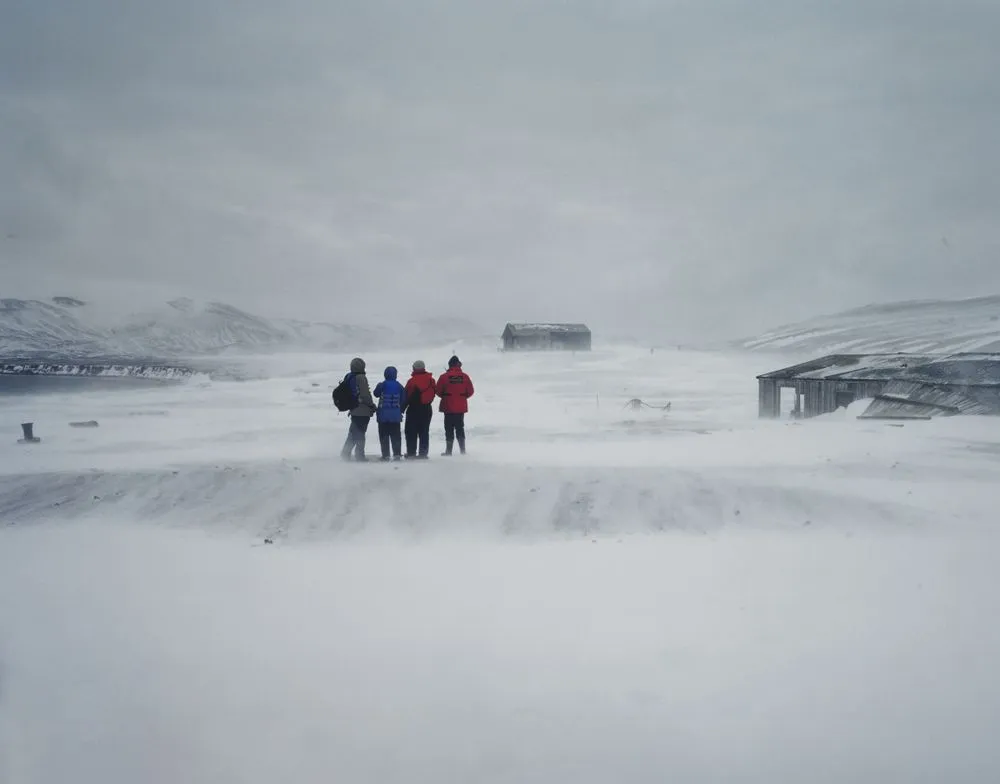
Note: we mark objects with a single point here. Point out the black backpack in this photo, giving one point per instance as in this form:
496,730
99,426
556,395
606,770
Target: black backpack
343,396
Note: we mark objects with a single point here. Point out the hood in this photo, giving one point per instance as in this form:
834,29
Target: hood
454,362
390,373
357,365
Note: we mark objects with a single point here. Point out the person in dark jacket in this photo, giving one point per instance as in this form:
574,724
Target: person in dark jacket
361,414
418,404
454,387
390,413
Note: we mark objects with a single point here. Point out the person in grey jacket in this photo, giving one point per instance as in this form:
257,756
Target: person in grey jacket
361,414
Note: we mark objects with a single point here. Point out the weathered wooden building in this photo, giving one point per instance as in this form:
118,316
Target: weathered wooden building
901,386
546,337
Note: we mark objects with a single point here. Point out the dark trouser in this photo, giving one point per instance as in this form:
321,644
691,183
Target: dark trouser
356,438
388,433
454,428
418,427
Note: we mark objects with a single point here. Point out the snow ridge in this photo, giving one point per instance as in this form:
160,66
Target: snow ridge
310,500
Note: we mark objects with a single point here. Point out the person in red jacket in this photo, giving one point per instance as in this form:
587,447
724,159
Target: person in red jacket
454,387
418,399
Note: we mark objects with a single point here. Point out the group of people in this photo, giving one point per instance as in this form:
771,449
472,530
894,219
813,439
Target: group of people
412,402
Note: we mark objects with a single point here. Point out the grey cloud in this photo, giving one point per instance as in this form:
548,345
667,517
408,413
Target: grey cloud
678,166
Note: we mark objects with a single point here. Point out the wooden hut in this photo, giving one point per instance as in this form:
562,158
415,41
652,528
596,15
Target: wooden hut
900,385
546,337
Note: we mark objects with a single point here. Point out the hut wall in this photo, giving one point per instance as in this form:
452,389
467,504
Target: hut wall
819,396
572,341
548,341
824,396
769,398
578,341
537,342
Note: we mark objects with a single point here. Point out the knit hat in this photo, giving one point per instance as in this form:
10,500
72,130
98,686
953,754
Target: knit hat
419,365
454,362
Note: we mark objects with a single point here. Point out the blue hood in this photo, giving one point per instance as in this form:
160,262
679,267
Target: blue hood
390,373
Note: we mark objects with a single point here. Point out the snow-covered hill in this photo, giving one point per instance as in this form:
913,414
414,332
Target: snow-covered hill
66,328
184,327
30,327
919,326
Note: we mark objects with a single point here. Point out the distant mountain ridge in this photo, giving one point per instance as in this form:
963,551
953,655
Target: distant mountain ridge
69,328
935,326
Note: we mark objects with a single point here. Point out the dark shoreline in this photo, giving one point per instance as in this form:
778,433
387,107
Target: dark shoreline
116,367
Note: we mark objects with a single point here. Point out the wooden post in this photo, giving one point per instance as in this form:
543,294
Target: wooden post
29,436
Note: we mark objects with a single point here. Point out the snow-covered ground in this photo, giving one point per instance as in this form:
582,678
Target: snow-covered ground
592,594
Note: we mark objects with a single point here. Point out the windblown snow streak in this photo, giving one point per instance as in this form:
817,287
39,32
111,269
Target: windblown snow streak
301,502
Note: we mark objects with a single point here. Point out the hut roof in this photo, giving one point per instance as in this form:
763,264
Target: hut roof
966,369
537,328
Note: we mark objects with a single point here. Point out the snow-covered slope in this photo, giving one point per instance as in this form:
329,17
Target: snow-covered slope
919,326
59,330
183,327
593,594
30,327
67,328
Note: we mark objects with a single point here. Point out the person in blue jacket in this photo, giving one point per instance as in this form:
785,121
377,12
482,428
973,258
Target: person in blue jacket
391,403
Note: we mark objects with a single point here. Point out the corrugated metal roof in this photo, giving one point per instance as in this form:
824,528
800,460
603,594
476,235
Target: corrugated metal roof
534,329
945,398
889,408
965,369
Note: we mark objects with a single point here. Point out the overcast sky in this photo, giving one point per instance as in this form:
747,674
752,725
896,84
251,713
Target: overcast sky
701,165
